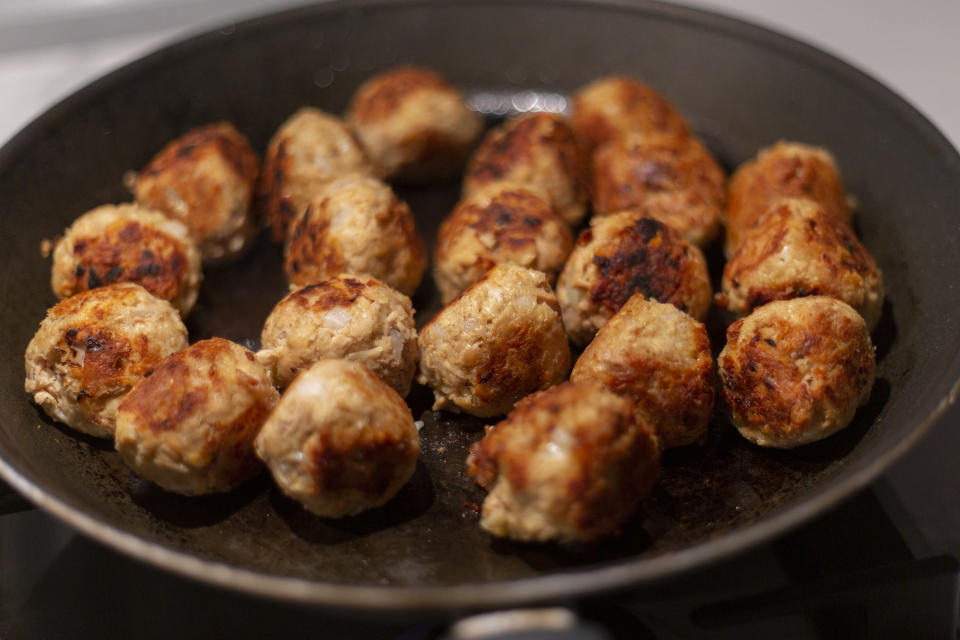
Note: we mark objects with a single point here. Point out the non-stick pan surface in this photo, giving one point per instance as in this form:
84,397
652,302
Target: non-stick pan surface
741,87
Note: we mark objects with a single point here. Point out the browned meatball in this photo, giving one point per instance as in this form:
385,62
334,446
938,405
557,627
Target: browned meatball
615,105
540,152
188,425
795,250
502,223
671,178
785,170
569,463
413,123
623,254
660,357
795,371
206,180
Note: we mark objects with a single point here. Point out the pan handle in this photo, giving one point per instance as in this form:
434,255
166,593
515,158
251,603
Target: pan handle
11,501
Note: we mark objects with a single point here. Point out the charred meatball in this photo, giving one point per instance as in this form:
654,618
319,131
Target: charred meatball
413,123
340,441
569,464
308,151
659,357
785,170
795,371
188,425
502,223
623,254
540,152
500,340
356,225
795,250
92,347
128,243
206,180
671,178
610,107
347,317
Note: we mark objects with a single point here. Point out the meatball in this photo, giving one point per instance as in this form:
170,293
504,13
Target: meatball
540,152
188,425
356,225
569,464
347,317
500,340
671,178
623,254
413,123
795,250
340,441
502,223
128,243
206,180
308,151
659,357
795,371
611,106
785,170
92,347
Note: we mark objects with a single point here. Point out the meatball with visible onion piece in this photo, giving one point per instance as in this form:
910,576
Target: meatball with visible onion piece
568,464
92,347
340,441
795,371
498,341
188,424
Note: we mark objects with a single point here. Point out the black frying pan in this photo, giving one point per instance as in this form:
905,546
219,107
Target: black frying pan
741,87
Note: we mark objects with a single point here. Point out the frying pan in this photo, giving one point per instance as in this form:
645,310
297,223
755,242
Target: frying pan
741,87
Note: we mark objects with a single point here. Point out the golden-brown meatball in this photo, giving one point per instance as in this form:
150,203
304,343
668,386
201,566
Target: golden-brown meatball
413,123
660,357
570,463
785,170
796,250
188,425
128,243
356,225
346,317
92,347
623,254
671,178
340,441
540,152
795,371
308,151
206,180
500,340
615,105
502,223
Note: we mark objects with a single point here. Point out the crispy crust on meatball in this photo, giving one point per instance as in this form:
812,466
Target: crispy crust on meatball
795,371
188,425
498,341
784,170
206,179
796,250
340,441
356,225
347,317
92,347
128,243
659,357
671,178
569,464
502,223
541,152
623,254
413,123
